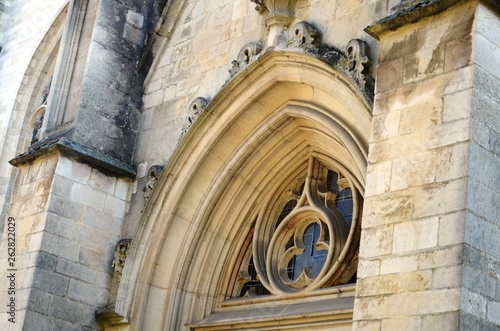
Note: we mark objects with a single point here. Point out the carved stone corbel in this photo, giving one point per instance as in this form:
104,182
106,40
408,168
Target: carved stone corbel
306,36
356,61
281,15
121,252
154,174
196,108
247,54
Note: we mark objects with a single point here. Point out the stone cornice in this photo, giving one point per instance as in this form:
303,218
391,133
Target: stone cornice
87,155
411,14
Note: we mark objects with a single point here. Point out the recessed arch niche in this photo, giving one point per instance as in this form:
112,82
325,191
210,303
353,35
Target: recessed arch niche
258,131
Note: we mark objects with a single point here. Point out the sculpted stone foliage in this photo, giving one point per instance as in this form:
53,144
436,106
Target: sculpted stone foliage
305,35
196,107
356,61
121,252
154,174
246,55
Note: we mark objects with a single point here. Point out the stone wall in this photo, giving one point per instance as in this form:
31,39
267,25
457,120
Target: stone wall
410,270
25,45
480,300
69,218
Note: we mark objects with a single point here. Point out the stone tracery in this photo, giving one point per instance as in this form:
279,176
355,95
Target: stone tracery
308,248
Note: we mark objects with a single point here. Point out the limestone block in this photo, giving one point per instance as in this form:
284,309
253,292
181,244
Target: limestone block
378,178
479,282
487,54
385,125
50,282
482,235
396,147
103,280
170,92
76,270
46,261
32,242
72,170
82,194
61,226
402,323
40,302
447,277
449,256
376,241
415,235
394,283
442,322
368,268
483,167
411,171
473,303
420,117
134,18
494,312
33,206
452,229
87,293
61,206
63,325
102,220
134,35
424,63
61,186
458,53
388,208
153,99
67,310
449,133
59,246
93,238
399,45
412,303
440,198
124,46
483,200
115,206
102,182
96,258
451,162
367,325
398,264
36,321
389,75
23,192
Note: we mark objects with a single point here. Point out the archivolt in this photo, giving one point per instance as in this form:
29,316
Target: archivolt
257,131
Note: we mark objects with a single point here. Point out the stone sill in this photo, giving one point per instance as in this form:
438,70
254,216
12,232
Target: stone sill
84,154
332,306
335,311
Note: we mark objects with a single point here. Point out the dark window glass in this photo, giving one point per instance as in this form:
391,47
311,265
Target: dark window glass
344,200
254,285
311,258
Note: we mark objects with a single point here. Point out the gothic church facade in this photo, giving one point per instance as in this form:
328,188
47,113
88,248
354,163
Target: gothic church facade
250,165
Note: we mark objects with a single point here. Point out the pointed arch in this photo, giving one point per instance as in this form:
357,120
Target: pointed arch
260,128
29,98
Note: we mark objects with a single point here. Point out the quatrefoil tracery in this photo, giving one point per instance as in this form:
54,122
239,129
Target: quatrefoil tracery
304,250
